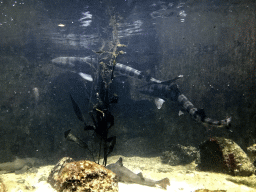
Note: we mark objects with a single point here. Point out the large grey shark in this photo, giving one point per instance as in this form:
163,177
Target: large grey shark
126,175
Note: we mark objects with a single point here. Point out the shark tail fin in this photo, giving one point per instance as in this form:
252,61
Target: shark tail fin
163,183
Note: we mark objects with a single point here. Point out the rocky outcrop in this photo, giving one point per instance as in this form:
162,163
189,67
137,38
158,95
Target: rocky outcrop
224,155
68,176
179,155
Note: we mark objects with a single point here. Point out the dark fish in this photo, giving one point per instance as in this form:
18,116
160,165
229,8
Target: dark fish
126,175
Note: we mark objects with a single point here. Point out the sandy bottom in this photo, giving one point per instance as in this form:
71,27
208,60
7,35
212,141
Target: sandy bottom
182,178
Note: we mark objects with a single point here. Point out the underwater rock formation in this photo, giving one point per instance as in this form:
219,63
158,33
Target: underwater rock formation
52,179
248,181
251,150
224,155
179,155
69,175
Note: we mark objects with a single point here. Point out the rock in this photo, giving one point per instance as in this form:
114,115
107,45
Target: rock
179,155
224,155
57,169
251,150
2,186
81,176
248,181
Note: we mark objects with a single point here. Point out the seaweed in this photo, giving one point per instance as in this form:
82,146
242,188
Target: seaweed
100,114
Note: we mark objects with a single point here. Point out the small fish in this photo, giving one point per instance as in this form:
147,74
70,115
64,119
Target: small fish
126,175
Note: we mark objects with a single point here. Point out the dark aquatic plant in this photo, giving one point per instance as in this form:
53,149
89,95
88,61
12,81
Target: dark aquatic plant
100,114
101,117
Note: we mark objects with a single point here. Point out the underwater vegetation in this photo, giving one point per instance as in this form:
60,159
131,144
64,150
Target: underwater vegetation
100,113
103,120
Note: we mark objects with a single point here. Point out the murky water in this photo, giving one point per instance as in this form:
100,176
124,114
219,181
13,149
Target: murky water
148,79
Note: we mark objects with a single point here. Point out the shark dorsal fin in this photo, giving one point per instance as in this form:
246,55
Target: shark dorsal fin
141,176
120,162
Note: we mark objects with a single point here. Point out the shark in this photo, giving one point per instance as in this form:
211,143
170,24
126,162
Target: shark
19,165
71,61
127,176
169,90
161,90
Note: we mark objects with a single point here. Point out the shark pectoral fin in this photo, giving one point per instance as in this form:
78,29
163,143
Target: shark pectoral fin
85,76
141,176
159,102
163,183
